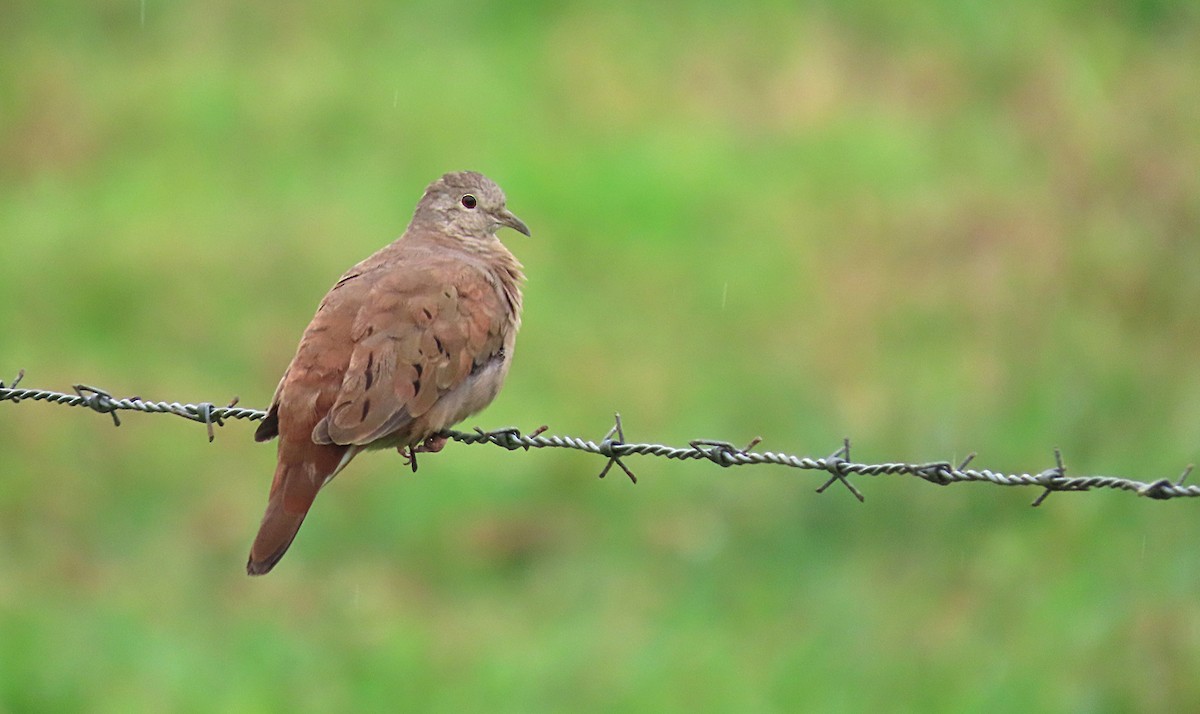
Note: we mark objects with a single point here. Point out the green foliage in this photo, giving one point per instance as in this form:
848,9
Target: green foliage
935,227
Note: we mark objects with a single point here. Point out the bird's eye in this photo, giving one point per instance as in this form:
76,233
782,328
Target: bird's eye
469,201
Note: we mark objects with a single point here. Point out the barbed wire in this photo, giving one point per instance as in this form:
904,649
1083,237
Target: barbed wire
614,447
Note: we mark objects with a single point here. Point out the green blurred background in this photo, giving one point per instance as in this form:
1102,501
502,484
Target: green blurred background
935,227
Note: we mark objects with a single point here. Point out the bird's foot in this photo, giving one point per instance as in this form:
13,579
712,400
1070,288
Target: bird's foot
410,459
431,445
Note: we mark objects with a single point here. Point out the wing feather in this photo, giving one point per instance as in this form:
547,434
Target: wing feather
415,340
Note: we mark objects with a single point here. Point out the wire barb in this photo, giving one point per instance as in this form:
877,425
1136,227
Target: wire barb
1183,476
835,464
97,399
721,453
1051,478
509,437
937,472
606,449
204,410
15,382
615,449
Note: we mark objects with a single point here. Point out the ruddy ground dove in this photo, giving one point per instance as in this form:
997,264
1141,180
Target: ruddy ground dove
410,341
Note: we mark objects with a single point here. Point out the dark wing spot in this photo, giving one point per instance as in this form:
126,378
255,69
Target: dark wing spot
438,342
370,330
366,409
428,314
420,368
416,386
369,374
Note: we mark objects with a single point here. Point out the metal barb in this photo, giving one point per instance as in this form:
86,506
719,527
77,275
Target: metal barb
1157,490
616,429
835,464
1049,476
99,400
721,453
935,472
508,437
606,449
204,414
1183,476
15,382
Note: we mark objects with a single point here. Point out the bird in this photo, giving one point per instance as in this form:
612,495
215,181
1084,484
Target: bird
407,343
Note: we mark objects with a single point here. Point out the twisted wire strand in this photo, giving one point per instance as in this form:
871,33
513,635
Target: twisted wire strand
614,447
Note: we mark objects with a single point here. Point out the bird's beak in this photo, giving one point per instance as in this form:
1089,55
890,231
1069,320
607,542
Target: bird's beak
507,218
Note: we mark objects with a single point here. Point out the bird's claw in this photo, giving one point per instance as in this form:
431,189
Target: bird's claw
431,445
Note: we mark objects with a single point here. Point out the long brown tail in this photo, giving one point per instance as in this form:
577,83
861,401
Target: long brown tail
293,490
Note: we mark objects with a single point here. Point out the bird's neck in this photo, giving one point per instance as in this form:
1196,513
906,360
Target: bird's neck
487,253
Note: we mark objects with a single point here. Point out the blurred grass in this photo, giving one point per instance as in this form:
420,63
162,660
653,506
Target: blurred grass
935,227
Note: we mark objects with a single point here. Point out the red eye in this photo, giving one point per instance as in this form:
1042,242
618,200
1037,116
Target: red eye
469,201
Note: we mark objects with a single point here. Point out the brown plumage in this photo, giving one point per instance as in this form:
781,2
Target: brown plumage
412,340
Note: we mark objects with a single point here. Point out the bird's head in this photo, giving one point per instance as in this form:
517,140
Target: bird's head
466,204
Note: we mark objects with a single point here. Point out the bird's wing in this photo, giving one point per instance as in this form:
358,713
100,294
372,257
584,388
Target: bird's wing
419,334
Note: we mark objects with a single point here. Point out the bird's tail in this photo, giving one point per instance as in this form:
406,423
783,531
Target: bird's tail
275,535
293,491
